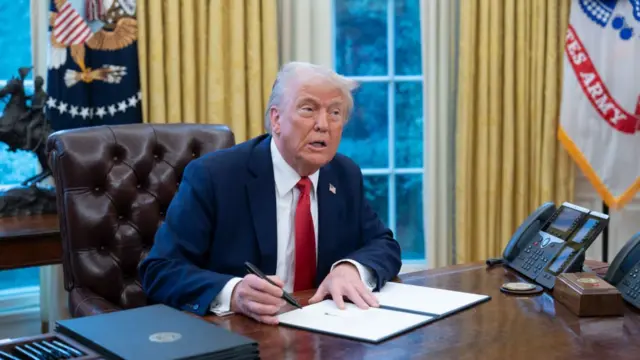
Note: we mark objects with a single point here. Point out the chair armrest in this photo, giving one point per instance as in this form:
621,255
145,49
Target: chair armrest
84,302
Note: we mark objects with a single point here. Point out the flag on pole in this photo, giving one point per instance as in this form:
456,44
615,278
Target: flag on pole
92,76
600,111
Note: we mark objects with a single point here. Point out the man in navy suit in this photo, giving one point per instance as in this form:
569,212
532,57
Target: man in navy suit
284,201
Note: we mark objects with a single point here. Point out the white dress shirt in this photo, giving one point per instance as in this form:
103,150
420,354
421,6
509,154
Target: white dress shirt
287,195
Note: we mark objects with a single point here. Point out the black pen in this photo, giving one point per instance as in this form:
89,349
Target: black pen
285,295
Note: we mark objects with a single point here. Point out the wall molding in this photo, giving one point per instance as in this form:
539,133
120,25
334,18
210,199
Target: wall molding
18,305
19,298
19,316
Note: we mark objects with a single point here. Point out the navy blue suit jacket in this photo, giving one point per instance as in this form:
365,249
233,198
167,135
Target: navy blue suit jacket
224,213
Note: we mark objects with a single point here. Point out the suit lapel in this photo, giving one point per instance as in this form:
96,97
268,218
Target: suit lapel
330,211
262,202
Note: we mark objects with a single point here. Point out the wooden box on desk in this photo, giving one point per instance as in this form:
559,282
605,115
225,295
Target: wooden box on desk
9,346
585,294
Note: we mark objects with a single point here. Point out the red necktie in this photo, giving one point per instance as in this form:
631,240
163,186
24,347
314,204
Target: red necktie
305,269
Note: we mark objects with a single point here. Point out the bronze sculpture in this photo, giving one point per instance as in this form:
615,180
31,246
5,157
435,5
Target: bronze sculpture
24,127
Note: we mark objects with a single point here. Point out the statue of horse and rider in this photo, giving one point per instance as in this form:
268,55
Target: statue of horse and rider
23,126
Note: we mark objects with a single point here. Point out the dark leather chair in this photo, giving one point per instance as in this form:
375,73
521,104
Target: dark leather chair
113,186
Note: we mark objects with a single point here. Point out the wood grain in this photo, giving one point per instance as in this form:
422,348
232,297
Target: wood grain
29,241
535,327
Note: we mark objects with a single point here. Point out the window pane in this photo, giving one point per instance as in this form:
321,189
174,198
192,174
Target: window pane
409,219
15,40
361,37
11,279
366,137
15,37
408,126
16,167
408,59
377,194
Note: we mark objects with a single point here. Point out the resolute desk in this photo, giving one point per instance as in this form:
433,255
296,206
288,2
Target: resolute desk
505,327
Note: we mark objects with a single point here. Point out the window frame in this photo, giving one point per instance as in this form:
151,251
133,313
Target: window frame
18,302
391,79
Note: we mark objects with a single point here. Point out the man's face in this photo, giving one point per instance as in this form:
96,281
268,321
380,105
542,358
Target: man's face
307,126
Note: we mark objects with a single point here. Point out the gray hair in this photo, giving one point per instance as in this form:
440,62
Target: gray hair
296,69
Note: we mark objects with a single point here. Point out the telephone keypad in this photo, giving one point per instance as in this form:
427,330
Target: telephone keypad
532,260
630,288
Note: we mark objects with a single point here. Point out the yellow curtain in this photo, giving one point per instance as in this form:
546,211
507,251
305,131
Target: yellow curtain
208,61
508,159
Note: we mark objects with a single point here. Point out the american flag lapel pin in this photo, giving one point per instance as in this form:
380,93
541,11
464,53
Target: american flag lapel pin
332,188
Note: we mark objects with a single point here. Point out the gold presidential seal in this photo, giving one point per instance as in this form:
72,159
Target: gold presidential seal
588,280
165,337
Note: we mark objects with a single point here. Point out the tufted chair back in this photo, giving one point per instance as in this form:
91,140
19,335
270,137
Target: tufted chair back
113,185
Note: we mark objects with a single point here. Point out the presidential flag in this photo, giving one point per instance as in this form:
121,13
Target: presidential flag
600,111
93,76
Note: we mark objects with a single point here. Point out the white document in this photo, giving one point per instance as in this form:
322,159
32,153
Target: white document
372,325
402,307
425,300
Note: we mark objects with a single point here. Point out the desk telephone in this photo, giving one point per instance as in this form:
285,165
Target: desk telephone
552,241
624,271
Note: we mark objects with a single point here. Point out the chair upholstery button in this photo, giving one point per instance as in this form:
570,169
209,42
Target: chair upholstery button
115,158
120,217
97,189
138,186
193,154
155,156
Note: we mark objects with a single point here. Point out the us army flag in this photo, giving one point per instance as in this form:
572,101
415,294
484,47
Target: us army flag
600,111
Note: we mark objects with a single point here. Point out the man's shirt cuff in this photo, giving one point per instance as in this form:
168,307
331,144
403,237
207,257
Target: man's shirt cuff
221,305
366,274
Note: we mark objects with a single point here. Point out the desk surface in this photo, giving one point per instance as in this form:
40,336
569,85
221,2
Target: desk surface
506,327
29,241
15,227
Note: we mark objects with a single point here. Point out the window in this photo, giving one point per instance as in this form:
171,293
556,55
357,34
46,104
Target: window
15,42
378,43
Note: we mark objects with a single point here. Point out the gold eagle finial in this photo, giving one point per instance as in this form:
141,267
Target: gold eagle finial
70,30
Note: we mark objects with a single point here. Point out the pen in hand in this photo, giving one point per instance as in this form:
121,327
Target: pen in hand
285,295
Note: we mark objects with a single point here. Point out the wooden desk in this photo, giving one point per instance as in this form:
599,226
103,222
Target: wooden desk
506,327
29,241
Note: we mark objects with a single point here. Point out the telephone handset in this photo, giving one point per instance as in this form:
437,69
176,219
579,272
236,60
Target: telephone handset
552,241
624,271
528,229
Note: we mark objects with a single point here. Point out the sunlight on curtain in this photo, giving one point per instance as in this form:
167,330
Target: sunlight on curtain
509,160
208,62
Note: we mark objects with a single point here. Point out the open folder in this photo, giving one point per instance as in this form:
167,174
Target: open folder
402,308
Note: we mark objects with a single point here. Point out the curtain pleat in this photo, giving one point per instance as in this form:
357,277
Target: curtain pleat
508,159
208,62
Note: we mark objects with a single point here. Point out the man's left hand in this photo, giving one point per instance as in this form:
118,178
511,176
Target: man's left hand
344,280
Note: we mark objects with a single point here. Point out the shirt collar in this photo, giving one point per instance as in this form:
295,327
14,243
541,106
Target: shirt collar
285,176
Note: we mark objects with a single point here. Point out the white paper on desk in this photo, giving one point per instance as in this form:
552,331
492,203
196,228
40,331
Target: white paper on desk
423,299
372,324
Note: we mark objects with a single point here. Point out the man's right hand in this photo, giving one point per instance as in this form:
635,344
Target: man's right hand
258,299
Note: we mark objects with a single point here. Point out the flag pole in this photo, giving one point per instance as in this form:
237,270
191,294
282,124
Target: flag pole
605,236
